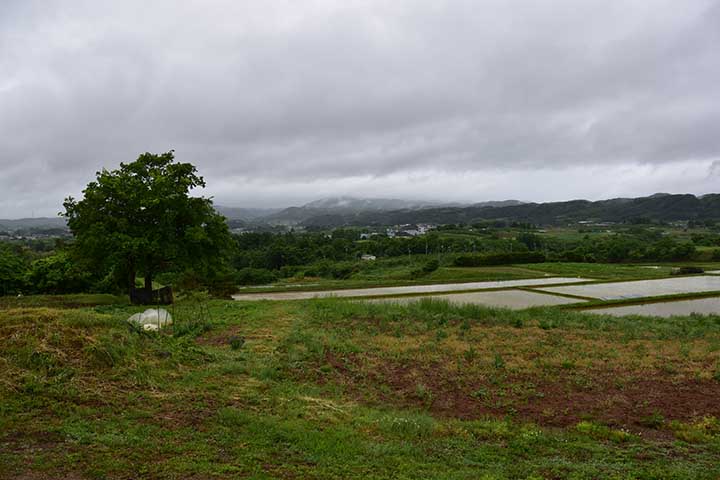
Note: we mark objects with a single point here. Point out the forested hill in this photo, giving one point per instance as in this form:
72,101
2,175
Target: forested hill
11,225
659,207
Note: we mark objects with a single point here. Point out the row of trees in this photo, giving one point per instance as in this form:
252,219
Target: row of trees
276,251
255,258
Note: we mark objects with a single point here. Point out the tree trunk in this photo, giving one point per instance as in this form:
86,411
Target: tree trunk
131,279
148,283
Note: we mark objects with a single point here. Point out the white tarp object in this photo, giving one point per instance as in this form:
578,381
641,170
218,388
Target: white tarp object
152,318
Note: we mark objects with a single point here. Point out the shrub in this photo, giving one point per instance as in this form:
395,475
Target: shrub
255,276
222,285
429,267
335,270
343,270
289,271
236,342
58,274
12,271
654,420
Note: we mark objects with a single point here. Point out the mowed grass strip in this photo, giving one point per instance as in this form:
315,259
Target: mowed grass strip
336,389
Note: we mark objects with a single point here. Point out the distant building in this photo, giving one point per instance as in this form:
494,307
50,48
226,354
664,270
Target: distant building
367,257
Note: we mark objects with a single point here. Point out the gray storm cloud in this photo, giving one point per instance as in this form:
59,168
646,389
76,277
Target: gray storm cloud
284,101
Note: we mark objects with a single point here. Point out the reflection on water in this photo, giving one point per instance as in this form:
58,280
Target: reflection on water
447,287
642,288
705,306
514,299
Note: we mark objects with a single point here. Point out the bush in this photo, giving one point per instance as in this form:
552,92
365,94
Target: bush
255,276
58,274
343,270
498,259
222,285
289,271
431,266
426,269
335,270
12,271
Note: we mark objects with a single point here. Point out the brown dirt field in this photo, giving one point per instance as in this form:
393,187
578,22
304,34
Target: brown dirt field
560,398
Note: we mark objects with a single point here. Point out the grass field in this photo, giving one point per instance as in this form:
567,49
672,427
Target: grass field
387,276
399,272
332,389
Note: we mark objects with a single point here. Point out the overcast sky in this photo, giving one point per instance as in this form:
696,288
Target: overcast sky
282,102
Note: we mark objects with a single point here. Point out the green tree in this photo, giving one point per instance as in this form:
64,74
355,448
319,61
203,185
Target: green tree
12,271
530,240
58,274
141,220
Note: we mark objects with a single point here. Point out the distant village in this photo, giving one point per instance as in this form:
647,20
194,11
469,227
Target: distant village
396,231
34,234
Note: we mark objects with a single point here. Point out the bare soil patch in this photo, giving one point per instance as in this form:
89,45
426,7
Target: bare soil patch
560,398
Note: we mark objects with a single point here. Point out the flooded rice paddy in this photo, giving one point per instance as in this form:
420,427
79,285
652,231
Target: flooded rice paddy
410,289
642,288
503,294
513,299
703,306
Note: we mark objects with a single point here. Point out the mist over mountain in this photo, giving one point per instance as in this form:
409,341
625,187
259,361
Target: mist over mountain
350,211
664,207
239,213
347,211
341,210
354,204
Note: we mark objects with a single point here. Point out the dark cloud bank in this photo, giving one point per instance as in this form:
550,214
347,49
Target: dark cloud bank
284,102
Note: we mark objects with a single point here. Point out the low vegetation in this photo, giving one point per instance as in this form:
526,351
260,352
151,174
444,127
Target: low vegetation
332,389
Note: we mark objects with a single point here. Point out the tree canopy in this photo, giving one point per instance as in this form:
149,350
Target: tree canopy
141,220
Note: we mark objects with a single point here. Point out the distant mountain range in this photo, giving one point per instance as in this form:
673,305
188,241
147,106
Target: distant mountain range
40,223
349,211
340,210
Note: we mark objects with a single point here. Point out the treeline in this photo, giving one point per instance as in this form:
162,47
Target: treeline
623,248
24,270
259,258
264,257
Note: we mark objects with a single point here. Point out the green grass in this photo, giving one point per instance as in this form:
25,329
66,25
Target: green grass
603,271
399,271
61,301
333,389
396,275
